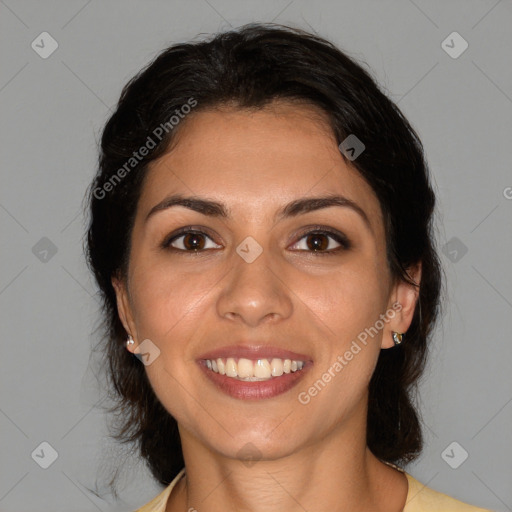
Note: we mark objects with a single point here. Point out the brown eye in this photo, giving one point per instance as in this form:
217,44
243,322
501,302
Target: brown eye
190,241
317,242
322,242
193,241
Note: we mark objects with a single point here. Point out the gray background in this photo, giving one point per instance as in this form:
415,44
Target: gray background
52,113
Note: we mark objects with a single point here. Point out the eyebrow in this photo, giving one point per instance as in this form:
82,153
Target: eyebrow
297,207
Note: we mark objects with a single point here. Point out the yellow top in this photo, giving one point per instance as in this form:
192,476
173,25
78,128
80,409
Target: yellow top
419,499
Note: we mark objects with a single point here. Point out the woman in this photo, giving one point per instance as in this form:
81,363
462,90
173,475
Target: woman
261,231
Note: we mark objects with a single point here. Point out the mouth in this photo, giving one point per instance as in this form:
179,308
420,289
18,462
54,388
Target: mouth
240,373
259,370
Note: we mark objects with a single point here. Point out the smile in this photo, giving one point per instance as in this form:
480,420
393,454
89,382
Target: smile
253,370
256,379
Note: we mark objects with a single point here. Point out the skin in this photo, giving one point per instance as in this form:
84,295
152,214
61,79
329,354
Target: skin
311,457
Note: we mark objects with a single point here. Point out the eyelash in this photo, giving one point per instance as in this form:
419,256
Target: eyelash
316,230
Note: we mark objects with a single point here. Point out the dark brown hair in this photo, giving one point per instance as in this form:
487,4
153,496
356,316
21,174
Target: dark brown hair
250,67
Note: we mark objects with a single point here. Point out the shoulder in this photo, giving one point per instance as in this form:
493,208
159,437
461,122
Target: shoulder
421,498
159,503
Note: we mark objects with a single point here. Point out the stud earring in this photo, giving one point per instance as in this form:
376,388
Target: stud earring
397,337
129,341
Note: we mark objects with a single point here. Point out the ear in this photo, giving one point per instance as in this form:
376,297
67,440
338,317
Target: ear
124,308
402,302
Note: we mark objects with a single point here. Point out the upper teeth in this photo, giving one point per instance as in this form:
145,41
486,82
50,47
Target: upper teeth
260,369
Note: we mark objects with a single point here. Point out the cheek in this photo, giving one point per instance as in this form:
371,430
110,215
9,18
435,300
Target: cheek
347,300
168,302
169,310
348,305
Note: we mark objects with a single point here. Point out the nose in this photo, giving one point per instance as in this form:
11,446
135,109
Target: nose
255,292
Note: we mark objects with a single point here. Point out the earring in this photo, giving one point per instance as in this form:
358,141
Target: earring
129,341
397,338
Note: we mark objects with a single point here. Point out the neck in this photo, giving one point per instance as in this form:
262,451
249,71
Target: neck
337,473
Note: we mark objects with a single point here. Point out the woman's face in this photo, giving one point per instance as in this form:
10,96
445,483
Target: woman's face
252,279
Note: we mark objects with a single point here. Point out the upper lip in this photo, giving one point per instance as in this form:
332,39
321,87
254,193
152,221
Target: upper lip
254,352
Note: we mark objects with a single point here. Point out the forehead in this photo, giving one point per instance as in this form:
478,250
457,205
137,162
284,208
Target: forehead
256,159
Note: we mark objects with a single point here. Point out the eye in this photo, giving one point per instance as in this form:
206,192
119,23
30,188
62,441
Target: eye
190,240
322,241
318,241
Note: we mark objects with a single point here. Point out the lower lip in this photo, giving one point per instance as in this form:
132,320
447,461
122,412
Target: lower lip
255,390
